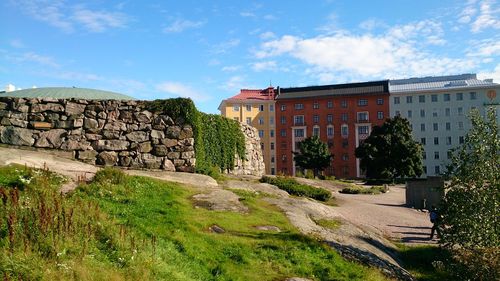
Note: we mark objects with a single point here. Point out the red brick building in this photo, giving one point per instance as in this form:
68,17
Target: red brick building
341,115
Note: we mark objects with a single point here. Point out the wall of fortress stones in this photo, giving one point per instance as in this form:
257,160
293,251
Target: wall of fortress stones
105,132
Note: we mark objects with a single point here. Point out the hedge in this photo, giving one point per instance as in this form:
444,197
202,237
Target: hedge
293,187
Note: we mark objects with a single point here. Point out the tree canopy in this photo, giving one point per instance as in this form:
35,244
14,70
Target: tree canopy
471,206
390,151
313,154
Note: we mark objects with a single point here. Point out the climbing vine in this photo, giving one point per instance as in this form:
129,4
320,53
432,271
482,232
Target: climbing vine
217,139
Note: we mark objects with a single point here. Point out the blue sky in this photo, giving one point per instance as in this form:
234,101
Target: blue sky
208,50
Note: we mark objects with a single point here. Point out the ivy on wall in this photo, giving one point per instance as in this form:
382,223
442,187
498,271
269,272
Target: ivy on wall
217,139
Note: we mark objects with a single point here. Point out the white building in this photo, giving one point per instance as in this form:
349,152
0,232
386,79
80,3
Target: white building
437,108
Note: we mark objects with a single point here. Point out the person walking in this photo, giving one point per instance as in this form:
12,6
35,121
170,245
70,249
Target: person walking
434,216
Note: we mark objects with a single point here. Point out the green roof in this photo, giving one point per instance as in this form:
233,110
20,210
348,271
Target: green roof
66,93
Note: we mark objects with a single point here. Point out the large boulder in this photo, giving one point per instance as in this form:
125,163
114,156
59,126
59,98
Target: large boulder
52,138
16,136
107,158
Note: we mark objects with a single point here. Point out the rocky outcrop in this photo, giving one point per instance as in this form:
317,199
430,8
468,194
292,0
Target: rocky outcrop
253,162
105,132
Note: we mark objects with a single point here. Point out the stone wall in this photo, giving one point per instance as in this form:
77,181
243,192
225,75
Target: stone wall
254,160
107,132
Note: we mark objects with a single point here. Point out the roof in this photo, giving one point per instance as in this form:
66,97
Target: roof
433,83
66,93
249,94
362,88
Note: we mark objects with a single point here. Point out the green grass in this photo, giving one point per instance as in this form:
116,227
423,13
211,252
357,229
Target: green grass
136,228
294,188
425,262
330,224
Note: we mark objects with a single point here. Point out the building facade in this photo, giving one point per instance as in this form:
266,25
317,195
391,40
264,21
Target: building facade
256,108
341,115
437,108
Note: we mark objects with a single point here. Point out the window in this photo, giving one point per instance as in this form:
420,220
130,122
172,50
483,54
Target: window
249,107
271,133
422,141
409,113
437,170
298,120
329,104
447,111
362,116
283,145
436,140
283,119
315,105
249,120
473,95
435,126
460,125
345,143
460,111
261,120
398,113
396,100
434,98
272,145
262,145
283,157
363,130
261,133
362,102
330,144
237,119
449,154
343,103
329,118
236,108
448,140
424,155
461,139
380,101
316,131
421,99
436,154
425,169
271,107
283,132
329,131
261,107
316,118
271,120
422,127
460,96
446,97
344,130
422,113
343,117
283,107
435,114
448,126
345,157
380,115
299,106
299,133
409,99
273,171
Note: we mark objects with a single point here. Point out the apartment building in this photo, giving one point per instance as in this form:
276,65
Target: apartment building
437,108
256,108
341,115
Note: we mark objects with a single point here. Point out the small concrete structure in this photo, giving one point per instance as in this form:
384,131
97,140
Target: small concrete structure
423,193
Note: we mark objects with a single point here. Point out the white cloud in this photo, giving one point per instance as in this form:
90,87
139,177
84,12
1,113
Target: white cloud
264,65
429,30
485,48
235,83
270,17
182,90
231,68
480,15
494,74
371,24
267,35
247,14
99,21
180,25
66,18
31,57
223,47
16,43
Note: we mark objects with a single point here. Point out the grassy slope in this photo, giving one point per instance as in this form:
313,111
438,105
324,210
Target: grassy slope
143,229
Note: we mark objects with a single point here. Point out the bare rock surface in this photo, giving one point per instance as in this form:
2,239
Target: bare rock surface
255,187
220,200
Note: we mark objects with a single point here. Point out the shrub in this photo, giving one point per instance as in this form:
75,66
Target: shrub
361,190
110,175
293,187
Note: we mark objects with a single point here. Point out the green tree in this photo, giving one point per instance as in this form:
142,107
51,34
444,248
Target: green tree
471,206
314,154
390,151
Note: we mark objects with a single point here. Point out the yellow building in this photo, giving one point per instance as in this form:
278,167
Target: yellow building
256,108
